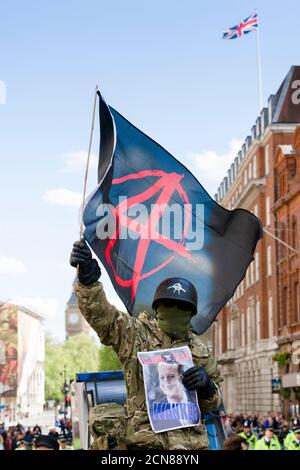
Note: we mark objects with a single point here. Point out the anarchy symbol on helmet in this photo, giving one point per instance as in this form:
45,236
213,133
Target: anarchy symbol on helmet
177,288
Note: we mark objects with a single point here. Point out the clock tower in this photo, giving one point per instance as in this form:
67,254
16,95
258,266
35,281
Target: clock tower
74,321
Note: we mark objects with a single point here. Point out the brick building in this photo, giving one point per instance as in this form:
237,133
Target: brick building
247,331
286,212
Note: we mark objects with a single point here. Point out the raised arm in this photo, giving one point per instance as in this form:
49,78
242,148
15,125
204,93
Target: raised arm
114,328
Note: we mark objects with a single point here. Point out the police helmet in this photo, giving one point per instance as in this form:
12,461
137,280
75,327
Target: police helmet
178,289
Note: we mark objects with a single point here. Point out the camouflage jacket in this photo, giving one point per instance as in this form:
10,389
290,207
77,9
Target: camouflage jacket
128,336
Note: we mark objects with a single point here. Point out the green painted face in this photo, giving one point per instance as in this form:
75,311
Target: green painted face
173,321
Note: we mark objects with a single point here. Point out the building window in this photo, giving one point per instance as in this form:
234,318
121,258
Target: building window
252,268
243,329
220,337
282,185
258,330
247,278
268,213
248,325
216,338
284,306
257,267
296,302
294,233
254,167
256,210
245,177
267,164
228,335
240,189
250,171
269,261
270,315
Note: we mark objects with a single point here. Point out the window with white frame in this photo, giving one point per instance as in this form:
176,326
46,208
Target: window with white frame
220,337
216,336
267,163
228,335
258,328
269,261
250,171
247,278
254,167
268,213
256,267
252,323
252,268
248,325
270,317
243,329
236,333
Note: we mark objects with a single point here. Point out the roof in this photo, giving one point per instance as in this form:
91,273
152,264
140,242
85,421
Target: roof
23,309
73,299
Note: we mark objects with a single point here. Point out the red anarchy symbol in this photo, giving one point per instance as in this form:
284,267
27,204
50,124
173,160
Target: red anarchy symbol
166,184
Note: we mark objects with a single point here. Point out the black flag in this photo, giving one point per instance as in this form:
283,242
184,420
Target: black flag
150,219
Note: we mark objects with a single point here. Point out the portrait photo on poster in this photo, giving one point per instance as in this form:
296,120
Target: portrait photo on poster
169,404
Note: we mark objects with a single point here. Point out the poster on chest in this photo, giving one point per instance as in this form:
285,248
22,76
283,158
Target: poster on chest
169,404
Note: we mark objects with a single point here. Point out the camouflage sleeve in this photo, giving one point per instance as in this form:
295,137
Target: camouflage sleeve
213,371
113,327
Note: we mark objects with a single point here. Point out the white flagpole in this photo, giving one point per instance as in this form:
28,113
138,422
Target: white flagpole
259,75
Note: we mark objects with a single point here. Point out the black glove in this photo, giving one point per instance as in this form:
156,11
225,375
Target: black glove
81,256
196,378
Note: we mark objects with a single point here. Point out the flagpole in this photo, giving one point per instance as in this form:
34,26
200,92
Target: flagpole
87,165
259,75
280,241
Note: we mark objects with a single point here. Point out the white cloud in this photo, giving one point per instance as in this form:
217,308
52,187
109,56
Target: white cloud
75,162
63,197
209,167
10,265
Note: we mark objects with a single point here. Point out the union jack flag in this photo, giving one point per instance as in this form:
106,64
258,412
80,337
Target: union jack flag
244,27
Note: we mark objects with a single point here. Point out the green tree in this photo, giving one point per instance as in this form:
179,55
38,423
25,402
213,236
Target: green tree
108,359
79,353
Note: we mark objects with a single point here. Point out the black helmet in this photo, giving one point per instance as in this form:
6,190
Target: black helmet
176,288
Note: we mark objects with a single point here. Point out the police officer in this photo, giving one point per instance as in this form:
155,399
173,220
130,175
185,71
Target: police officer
248,435
175,302
268,441
294,443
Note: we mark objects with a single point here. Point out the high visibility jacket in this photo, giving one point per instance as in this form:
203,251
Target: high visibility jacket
261,444
293,445
289,438
251,440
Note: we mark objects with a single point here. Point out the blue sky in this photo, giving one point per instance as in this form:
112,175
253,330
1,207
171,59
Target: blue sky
163,65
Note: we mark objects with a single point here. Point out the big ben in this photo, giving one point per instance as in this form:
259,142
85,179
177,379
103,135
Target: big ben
74,321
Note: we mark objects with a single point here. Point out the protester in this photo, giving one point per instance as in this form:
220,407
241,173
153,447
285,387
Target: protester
174,304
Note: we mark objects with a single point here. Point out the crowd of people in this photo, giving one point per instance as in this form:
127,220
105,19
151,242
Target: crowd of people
269,432
18,438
